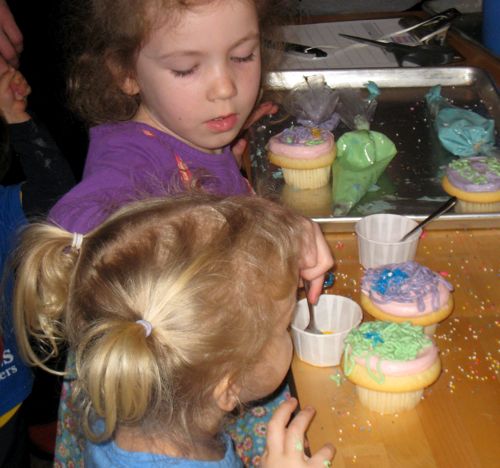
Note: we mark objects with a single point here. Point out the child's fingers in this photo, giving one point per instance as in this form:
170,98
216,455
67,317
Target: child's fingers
324,455
238,149
6,78
276,428
264,108
296,430
316,259
20,86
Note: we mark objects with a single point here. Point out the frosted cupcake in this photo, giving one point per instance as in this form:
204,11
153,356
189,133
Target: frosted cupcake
476,184
406,292
305,155
390,364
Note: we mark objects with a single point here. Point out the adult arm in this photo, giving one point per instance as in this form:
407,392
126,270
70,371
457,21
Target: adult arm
48,174
11,38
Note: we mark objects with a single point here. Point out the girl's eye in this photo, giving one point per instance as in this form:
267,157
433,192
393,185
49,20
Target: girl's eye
248,58
183,73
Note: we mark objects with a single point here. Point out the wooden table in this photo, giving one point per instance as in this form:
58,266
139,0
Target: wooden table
457,423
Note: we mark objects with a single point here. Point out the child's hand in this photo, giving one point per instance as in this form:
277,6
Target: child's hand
315,260
240,145
285,445
14,90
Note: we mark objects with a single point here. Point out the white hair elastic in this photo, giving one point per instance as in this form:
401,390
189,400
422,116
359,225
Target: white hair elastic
147,326
77,241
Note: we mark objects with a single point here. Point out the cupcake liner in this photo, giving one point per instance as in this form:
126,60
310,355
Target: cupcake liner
378,239
307,178
336,315
430,330
463,206
311,202
387,402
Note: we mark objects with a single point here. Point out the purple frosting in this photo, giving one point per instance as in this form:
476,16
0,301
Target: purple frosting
477,174
299,135
403,282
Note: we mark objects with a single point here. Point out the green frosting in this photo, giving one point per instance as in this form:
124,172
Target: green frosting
466,169
385,340
362,156
361,149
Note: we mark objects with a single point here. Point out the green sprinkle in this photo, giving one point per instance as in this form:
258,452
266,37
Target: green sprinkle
327,463
299,446
337,378
313,142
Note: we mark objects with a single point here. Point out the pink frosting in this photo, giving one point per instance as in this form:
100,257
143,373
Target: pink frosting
422,362
410,309
301,143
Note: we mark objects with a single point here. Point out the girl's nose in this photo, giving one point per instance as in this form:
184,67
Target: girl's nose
222,86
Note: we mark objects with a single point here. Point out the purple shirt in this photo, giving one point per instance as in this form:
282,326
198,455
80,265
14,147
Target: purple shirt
129,161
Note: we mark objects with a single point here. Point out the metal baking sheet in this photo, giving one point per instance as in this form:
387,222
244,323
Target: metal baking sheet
411,183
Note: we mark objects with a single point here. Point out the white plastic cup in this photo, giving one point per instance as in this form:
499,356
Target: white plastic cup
336,314
379,239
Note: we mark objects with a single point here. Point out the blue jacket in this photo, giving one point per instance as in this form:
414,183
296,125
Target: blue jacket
16,379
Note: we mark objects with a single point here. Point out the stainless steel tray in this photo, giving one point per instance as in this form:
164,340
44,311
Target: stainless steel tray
411,183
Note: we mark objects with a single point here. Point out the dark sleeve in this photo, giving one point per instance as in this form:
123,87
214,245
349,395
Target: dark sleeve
48,174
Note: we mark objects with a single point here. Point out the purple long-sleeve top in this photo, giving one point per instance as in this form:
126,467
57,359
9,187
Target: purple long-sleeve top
129,161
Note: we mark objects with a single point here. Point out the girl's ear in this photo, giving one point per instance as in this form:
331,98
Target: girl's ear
226,394
123,78
130,86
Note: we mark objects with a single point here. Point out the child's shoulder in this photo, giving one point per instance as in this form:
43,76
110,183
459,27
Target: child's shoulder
129,129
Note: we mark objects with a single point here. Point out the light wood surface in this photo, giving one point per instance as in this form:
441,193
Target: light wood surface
456,424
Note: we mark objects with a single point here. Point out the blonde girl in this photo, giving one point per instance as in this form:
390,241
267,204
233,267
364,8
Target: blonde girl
178,312
166,86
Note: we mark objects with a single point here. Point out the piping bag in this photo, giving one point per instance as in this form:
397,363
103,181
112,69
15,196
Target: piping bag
362,154
462,132
313,103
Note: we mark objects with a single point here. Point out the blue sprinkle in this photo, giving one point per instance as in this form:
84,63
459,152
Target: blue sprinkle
329,280
389,279
374,337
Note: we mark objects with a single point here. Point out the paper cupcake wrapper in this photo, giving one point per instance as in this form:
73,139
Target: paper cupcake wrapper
336,315
307,178
378,240
386,402
430,330
475,207
310,202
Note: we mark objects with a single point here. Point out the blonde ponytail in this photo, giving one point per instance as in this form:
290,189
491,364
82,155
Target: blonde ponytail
44,263
117,367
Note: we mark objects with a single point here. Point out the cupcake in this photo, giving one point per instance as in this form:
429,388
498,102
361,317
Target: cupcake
406,292
476,184
305,155
390,364
312,203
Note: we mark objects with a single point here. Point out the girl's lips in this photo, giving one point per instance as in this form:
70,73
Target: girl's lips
222,124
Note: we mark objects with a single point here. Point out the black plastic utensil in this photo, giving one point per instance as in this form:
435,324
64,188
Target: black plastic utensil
442,209
424,55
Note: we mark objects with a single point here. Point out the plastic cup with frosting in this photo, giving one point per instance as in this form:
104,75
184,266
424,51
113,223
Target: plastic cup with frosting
335,316
379,239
